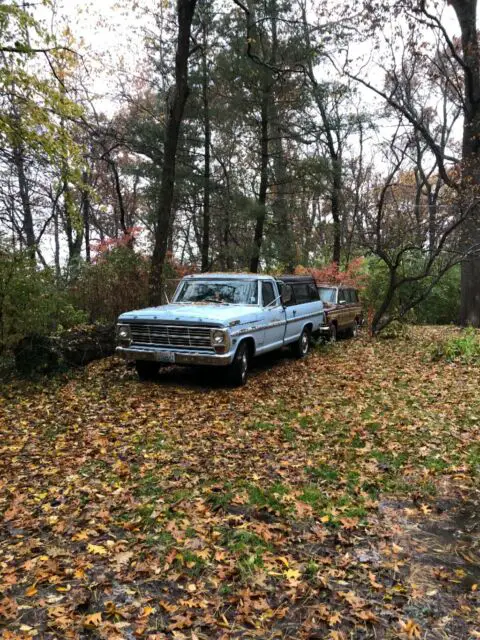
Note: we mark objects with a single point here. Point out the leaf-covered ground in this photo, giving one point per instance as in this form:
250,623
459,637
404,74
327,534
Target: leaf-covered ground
331,498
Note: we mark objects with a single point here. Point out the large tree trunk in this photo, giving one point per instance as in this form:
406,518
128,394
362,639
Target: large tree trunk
23,187
86,214
466,11
206,170
74,236
175,107
335,202
285,239
262,196
334,150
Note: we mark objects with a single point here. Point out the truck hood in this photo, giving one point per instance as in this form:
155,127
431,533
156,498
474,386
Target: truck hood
209,314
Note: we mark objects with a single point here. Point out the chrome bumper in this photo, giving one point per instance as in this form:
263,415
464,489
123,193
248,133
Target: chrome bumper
325,328
180,357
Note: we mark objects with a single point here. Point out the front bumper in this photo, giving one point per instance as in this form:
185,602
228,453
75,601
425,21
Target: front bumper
131,354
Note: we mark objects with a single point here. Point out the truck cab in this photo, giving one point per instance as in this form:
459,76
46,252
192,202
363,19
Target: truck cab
220,319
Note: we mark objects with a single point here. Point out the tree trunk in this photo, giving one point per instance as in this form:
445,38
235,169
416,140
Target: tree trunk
86,215
56,237
262,195
23,187
466,11
335,201
74,236
175,107
206,172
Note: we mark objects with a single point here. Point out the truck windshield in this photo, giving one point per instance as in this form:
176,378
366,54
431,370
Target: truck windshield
218,291
327,294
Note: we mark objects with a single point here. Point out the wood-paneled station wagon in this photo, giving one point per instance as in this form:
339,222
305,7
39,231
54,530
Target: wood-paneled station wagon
343,311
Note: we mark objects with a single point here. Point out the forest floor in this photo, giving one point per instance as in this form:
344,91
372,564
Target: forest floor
334,497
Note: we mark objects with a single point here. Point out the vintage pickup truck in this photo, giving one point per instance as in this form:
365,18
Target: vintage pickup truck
222,320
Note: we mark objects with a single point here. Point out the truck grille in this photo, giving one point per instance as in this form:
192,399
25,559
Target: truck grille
162,335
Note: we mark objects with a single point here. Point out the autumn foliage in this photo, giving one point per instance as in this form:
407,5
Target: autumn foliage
353,275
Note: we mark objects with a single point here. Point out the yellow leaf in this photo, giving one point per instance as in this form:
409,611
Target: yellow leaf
80,536
31,591
325,519
62,589
97,549
292,574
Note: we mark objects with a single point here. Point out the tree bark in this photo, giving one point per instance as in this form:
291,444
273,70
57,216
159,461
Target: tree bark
23,187
86,215
262,195
206,170
175,107
466,11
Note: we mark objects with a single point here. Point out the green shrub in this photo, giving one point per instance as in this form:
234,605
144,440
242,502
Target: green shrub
116,282
464,347
30,301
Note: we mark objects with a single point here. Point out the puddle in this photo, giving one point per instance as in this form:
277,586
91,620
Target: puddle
453,542
440,562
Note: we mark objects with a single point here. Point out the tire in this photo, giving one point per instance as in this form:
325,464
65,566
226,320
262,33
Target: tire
333,332
238,370
302,346
146,370
354,329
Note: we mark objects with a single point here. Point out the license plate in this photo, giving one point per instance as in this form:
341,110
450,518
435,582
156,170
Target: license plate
165,356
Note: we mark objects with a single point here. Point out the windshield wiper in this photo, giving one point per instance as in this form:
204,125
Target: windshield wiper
215,301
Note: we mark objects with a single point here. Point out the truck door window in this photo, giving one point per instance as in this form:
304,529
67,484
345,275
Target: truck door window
268,294
313,292
341,296
301,293
288,298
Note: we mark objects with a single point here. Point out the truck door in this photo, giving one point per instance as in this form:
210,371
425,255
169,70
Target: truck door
296,312
273,316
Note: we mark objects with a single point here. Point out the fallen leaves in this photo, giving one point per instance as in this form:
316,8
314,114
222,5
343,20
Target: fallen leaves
175,511
97,549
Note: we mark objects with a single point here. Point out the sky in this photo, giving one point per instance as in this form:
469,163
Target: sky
109,40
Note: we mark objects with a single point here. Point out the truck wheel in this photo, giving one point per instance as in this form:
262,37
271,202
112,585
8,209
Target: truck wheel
354,329
302,346
238,370
333,332
146,370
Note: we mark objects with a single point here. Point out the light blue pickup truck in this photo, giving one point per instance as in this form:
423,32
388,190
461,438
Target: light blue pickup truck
223,319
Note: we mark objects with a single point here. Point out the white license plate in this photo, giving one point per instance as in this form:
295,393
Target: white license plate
165,356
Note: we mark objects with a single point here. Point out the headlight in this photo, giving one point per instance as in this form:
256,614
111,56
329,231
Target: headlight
218,337
123,332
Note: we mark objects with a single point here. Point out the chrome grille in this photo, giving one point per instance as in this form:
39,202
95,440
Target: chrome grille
168,336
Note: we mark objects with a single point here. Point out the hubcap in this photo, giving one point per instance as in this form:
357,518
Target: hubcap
244,365
304,343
